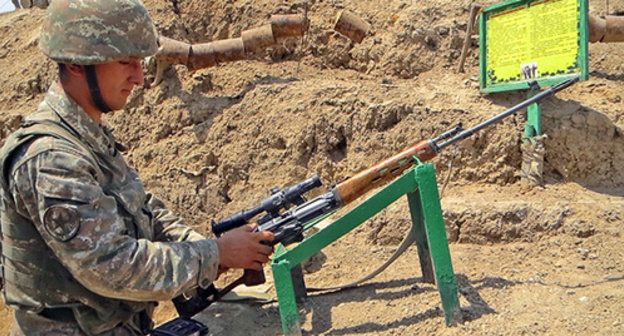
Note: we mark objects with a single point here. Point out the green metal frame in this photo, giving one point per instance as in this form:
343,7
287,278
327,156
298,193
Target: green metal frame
420,186
534,117
582,57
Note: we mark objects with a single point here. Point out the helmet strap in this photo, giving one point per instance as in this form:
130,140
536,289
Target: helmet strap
94,89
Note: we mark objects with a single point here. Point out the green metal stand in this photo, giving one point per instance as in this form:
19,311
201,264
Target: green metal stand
534,117
420,186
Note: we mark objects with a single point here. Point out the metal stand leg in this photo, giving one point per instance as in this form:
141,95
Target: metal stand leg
438,243
289,312
296,273
418,229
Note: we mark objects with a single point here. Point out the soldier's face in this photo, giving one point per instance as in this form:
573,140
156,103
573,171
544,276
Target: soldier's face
117,79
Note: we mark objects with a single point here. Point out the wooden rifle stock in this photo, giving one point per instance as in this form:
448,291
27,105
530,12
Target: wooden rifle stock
384,171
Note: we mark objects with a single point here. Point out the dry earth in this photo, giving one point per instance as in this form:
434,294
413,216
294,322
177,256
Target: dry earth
545,261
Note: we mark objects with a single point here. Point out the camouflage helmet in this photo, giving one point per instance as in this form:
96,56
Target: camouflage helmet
97,31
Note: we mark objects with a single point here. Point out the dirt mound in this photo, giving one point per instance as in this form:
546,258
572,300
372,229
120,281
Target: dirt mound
214,141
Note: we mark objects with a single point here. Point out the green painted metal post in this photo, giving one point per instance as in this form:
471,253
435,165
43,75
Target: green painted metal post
420,232
289,312
296,274
438,243
534,117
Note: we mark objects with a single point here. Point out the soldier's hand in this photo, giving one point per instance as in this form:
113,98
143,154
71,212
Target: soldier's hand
242,248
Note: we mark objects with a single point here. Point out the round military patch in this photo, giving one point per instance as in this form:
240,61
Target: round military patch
62,222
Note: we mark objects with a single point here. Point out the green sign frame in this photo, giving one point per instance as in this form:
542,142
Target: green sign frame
487,75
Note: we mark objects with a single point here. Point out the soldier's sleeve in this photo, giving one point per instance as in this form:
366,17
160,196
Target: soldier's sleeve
168,226
81,225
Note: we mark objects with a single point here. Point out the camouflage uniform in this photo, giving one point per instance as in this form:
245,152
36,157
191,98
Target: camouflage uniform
85,250
79,230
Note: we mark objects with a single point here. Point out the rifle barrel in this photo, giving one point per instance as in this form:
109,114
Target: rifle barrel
534,99
425,150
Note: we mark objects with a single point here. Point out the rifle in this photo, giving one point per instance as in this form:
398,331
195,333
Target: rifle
289,225
279,199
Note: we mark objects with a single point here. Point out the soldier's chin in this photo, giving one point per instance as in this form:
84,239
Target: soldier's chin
116,106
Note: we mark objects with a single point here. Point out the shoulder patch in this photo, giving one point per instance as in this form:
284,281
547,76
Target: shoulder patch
62,222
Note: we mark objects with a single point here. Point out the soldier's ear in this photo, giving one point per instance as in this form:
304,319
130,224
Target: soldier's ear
75,70
69,73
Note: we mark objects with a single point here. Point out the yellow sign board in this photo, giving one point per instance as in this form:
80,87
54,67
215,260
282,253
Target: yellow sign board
526,40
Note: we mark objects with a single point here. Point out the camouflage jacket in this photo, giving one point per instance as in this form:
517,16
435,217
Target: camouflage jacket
78,229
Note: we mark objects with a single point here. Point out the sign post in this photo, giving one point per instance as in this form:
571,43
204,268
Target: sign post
528,44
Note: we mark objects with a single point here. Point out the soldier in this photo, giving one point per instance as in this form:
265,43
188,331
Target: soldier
85,250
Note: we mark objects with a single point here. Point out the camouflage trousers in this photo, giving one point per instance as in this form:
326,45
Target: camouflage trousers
27,324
